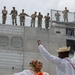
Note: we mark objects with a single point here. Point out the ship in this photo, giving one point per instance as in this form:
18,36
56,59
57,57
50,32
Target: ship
18,44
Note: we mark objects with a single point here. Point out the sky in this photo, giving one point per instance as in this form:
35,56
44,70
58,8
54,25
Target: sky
43,6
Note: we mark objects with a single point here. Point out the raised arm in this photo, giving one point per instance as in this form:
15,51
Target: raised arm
47,55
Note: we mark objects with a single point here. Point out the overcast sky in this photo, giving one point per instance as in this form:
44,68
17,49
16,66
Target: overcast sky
43,6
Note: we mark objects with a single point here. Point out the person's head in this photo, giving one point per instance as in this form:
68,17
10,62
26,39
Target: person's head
36,65
4,7
35,12
65,7
48,14
22,10
13,8
39,13
63,52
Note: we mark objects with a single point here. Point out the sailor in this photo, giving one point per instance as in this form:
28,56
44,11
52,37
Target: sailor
57,15
33,17
4,15
65,14
14,14
47,20
40,16
22,17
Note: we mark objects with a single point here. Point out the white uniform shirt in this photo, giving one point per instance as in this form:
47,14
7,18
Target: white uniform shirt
25,72
28,72
63,66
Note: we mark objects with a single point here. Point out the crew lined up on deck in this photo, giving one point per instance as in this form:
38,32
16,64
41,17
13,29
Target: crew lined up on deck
14,14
